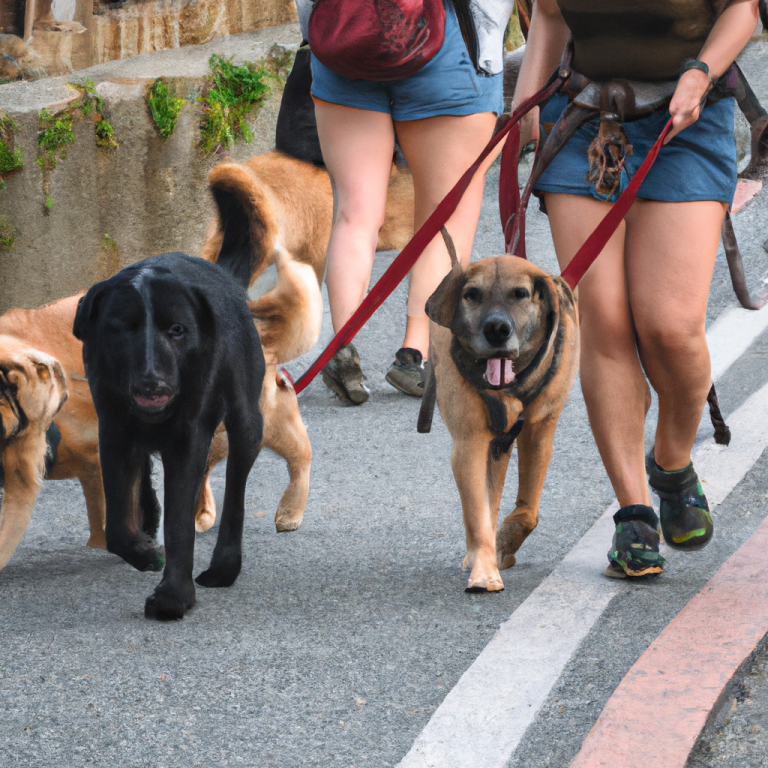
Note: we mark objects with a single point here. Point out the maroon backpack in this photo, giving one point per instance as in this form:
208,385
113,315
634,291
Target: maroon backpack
376,39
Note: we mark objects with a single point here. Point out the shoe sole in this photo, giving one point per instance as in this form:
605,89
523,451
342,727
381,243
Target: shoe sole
357,396
617,572
407,387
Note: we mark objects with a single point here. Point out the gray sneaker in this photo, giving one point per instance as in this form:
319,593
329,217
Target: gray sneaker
342,375
407,372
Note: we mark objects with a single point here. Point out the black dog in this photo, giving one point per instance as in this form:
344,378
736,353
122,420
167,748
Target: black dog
170,352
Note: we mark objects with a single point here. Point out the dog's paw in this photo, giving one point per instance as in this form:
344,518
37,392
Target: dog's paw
485,584
485,577
509,539
205,515
223,572
143,555
285,521
97,541
204,520
164,605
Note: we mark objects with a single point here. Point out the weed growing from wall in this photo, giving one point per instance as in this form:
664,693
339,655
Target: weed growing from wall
7,234
54,136
228,96
92,104
11,161
164,105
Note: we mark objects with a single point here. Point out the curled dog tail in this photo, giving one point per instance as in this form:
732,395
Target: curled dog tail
243,237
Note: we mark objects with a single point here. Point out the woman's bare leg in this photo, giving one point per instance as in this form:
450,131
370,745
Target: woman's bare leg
357,148
438,150
612,380
670,254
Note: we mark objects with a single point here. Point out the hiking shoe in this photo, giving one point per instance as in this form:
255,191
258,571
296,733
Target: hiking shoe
635,548
685,519
342,375
407,372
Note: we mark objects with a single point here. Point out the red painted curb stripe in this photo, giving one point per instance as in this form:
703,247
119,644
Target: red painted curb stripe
658,710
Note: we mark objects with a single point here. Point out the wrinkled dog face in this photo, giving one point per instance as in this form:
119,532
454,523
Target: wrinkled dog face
146,332
497,310
32,387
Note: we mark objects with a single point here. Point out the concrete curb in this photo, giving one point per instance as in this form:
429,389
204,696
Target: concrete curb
677,686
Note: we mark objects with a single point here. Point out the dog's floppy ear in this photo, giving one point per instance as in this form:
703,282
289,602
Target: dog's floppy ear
88,310
545,288
441,305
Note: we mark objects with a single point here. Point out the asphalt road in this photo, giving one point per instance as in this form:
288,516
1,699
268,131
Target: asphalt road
339,641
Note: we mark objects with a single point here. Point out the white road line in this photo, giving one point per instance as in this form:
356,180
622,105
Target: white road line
483,718
731,334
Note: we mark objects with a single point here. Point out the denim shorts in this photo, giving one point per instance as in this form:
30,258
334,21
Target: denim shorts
698,164
448,84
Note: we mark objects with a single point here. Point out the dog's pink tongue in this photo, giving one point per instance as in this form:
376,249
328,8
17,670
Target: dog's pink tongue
493,371
498,372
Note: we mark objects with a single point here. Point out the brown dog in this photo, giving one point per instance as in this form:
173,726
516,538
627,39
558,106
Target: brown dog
278,204
504,352
280,211
32,391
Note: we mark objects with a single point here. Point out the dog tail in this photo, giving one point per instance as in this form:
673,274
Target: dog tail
245,239
243,236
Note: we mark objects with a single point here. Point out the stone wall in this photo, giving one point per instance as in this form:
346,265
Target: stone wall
67,35
112,207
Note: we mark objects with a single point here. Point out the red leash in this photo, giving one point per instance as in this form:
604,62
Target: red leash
595,243
402,265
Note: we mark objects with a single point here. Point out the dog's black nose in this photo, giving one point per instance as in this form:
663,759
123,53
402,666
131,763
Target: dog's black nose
497,329
153,388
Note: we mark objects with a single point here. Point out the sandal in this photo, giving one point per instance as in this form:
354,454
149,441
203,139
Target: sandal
407,372
342,375
686,522
635,548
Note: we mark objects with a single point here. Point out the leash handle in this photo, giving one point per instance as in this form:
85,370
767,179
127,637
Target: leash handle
595,243
402,265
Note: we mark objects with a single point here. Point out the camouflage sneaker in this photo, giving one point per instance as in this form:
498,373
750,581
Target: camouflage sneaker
635,548
342,375
685,519
407,372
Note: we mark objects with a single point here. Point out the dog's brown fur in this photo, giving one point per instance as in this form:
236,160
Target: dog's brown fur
476,417
288,205
35,393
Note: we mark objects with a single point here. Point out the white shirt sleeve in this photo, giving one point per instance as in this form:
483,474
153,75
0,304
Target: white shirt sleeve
304,8
491,18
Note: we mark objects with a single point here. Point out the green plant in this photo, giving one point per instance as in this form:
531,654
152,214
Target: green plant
7,234
11,161
54,136
165,106
91,103
104,135
108,243
230,94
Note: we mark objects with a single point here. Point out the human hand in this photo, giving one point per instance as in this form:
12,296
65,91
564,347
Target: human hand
685,106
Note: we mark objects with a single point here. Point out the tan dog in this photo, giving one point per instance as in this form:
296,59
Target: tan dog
504,352
32,390
286,207
281,211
